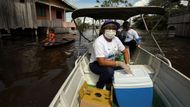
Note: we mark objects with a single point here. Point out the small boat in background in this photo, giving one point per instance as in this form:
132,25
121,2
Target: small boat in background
53,39
58,43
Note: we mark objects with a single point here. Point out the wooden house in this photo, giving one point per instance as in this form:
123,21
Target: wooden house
20,15
180,25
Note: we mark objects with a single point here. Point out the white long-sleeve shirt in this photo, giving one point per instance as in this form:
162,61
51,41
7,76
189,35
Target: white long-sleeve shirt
131,34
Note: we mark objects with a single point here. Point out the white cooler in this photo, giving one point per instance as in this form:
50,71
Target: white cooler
133,90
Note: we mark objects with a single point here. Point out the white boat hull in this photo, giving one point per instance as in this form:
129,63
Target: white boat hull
172,86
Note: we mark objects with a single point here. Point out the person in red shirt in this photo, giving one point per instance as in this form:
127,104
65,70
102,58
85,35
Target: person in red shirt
50,37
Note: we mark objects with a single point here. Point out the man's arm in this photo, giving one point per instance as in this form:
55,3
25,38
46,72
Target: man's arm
126,56
103,62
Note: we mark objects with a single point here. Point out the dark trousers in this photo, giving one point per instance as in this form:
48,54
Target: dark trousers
132,46
106,74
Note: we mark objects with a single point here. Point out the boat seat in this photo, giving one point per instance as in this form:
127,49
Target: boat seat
87,69
85,65
91,78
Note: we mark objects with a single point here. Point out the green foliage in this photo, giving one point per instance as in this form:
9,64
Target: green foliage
138,23
179,9
172,8
151,21
82,26
78,21
156,2
113,3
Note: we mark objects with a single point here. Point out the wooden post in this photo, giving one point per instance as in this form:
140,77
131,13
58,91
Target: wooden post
50,16
188,5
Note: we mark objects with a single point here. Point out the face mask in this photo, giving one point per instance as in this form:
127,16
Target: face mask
110,34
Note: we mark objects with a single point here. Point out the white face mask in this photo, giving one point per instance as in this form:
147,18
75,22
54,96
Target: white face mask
110,34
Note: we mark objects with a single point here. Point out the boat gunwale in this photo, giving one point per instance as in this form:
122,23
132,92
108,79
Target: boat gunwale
66,82
166,64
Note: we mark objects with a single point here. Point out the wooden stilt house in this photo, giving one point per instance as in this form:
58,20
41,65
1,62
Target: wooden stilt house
181,23
21,15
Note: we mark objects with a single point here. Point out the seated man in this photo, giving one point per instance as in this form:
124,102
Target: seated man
105,49
130,37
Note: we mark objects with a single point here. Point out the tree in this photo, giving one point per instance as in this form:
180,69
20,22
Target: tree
151,21
156,2
82,26
172,7
113,3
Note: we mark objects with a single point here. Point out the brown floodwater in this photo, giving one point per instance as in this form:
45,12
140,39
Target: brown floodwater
176,49
30,75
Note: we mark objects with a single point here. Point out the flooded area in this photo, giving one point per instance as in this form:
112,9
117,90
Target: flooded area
176,49
30,75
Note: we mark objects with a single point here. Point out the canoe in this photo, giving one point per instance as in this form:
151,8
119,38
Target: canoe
58,43
171,86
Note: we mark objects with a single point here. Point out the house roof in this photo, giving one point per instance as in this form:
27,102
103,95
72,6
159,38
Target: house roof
69,7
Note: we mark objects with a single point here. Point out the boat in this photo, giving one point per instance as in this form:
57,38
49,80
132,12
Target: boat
172,86
58,43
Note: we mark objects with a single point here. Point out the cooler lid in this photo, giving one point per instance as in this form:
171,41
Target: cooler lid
139,78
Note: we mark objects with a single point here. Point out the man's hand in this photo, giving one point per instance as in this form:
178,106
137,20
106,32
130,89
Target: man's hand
124,66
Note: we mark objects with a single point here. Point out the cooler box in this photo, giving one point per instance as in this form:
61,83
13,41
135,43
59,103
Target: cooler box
133,90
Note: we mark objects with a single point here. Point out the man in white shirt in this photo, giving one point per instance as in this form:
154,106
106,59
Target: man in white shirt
130,37
105,49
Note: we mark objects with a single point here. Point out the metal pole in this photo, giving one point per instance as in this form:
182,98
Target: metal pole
78,53
95,29
152,36
157,23
80,37
188,5
83,23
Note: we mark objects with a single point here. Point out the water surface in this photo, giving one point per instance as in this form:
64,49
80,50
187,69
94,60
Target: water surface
30,75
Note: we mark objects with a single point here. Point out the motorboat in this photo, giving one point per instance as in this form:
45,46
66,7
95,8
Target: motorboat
169,84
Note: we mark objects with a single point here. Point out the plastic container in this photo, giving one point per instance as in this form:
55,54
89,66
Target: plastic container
133,90
120,57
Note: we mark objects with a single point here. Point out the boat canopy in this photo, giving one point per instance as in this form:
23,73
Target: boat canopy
122,13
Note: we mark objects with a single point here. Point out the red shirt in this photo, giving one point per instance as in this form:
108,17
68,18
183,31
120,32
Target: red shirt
51,37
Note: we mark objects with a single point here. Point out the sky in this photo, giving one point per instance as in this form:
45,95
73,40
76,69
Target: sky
92,3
